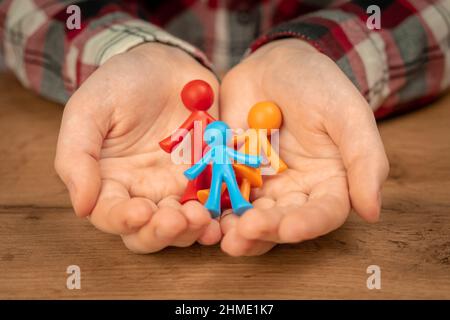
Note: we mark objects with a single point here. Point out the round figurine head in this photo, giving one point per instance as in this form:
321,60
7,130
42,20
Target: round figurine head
265,115
217,133
197,95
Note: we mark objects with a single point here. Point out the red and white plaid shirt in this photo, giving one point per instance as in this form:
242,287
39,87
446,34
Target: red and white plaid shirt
404,64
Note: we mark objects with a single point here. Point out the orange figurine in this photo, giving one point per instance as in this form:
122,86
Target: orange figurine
197,96
262,118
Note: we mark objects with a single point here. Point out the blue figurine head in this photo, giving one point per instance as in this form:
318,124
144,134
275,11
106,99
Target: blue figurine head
217,133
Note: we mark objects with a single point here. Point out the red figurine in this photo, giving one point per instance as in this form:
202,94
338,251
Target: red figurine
197,96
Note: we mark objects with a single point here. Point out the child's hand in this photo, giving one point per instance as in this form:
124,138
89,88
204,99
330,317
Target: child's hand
329,141
108,153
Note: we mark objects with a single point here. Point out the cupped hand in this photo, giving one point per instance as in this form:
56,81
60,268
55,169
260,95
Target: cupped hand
329,140
108,154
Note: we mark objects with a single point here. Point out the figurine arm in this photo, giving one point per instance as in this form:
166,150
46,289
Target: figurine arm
248,160
209,117
197,168
169,143
274,160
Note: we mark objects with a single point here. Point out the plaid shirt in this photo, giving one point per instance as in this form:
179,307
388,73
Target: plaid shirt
402,65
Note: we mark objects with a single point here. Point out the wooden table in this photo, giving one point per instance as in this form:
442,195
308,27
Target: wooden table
40,235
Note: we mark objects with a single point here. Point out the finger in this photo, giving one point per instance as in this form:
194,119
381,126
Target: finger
198,219
259,223
228,220
116,213
353,128
264,203
327,209
235,245
366,177
164,227
170,202
77,153
212,234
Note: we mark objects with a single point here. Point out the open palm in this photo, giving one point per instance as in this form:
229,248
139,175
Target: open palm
329,140
108,153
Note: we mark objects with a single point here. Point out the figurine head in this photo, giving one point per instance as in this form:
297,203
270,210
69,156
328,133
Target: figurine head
217,133
197,95
265,115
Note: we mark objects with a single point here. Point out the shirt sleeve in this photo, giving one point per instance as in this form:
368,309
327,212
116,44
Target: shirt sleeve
50,53
396,53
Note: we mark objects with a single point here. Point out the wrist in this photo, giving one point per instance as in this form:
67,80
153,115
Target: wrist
157,49
290,43
175,58
277,50
287,44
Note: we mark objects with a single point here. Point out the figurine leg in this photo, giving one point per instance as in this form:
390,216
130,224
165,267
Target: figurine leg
190,193
238,203
203,194
199,183
245,189
213,202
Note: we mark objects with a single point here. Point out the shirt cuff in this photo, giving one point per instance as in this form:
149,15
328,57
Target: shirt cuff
102,40
344,38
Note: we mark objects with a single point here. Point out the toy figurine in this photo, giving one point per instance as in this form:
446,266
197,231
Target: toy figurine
217,135
262,117
197,96
246,177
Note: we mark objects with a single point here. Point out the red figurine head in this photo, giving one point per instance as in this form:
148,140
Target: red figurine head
197,95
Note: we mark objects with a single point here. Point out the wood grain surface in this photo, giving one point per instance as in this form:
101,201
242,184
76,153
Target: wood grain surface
40,235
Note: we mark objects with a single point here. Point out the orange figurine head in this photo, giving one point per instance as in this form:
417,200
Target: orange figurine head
197,95
265,115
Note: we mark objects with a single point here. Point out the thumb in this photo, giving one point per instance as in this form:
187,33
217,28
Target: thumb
77,153
353,128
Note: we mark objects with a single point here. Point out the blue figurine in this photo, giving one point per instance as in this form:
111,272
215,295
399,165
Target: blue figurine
217,135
